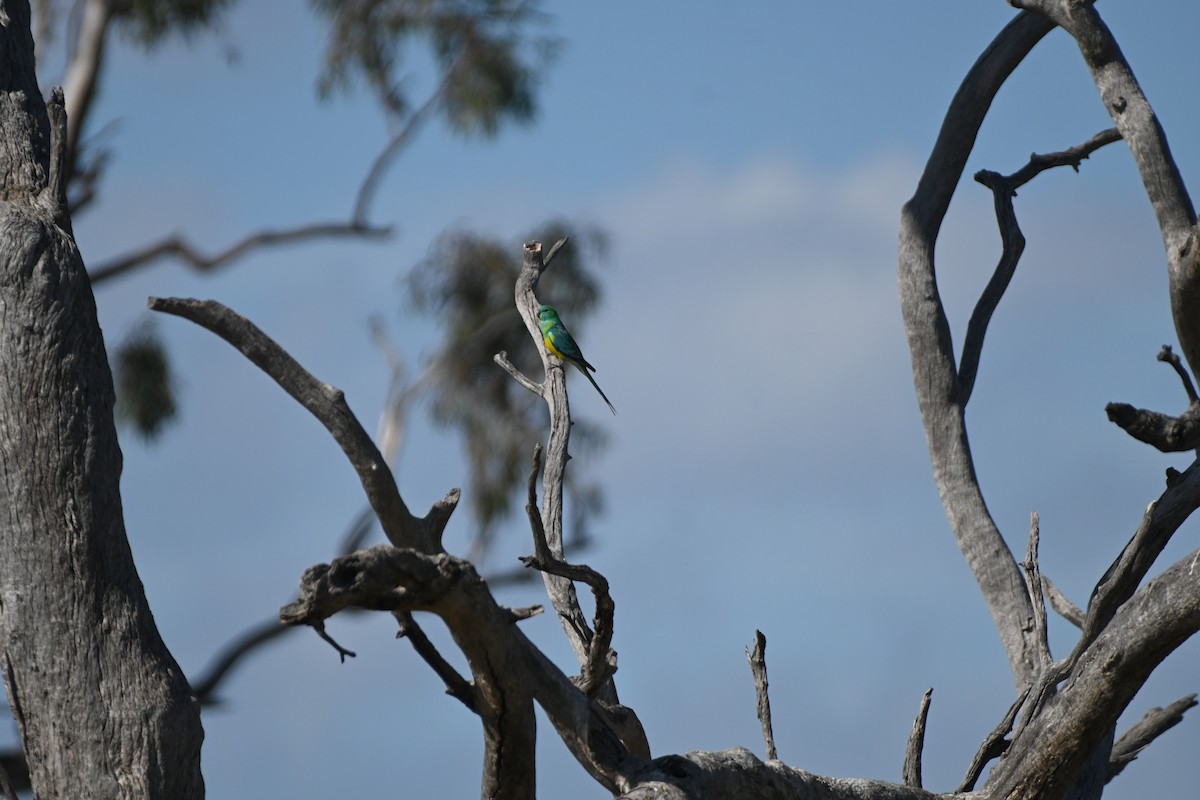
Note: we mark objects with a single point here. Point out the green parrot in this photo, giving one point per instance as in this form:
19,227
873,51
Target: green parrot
559,342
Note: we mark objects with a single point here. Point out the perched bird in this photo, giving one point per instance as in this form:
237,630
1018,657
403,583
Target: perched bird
559,342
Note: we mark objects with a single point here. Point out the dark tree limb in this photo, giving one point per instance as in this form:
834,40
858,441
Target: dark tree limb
328,405
1168,356
1156,722
1166,433
457,686
1162,431
994,745
762,704
403,580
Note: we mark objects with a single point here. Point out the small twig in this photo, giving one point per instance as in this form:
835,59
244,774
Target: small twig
993,745
457,686
501,358
758,668
916,744
1169,356
319,627
1071,157
1033,584
1156,722
1059,602
553,251
251,639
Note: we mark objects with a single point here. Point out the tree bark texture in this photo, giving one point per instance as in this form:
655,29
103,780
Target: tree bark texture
103,709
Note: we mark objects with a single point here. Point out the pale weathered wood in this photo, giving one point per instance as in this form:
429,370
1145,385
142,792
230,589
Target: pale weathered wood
102,708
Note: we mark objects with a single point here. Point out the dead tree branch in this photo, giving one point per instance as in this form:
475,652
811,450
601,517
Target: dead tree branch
762,705
560,589
1140,128
1166,433
911,773
601,661
939,388
328,405
1059,602
1004,189
1156,722
994,745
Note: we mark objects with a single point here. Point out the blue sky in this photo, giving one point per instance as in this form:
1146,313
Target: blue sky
749,161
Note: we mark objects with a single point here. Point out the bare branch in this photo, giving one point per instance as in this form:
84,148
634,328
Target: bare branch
938,386
1156,722
1049,755
1168,355
1059,602
1033,580
601,660
1139,126
501,358
560,589
177,247
1162,518
251,639
911,773
994,744
1161,431
758,668
328,405
456,685
1004,189
342,652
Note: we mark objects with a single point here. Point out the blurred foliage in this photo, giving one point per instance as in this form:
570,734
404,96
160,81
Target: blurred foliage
150,22
487,58
145,387
466,282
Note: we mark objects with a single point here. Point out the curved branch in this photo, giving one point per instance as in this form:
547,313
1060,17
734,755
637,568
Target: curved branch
328,405
1004,189
938,386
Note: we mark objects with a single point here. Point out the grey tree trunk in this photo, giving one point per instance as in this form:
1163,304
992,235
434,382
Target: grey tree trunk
103,709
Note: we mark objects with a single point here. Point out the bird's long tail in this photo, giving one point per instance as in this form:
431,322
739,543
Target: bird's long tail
611,407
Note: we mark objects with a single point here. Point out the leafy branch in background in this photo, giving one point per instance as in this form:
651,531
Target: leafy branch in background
481,72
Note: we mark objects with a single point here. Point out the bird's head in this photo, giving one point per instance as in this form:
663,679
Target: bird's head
547,314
